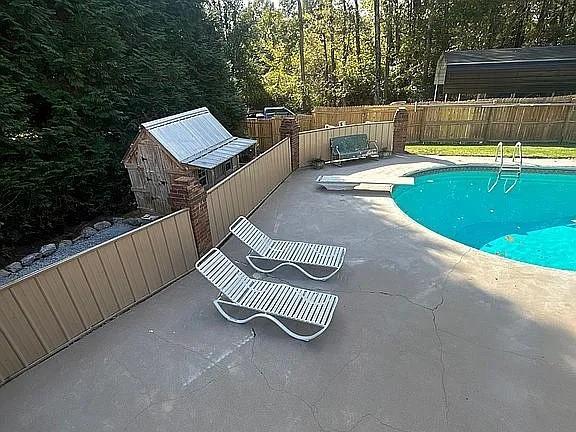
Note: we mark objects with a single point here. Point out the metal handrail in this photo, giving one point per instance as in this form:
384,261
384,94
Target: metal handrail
517,153
500,153
518,150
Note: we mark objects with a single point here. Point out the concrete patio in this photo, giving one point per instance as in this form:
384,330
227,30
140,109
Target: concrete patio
429,335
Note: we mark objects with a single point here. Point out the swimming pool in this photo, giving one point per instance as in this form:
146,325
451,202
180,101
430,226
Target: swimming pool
535,222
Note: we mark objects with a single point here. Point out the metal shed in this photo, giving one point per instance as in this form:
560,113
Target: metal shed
190,143
534,71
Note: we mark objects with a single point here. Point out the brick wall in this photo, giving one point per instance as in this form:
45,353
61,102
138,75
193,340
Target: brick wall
400,130
187,192
290,128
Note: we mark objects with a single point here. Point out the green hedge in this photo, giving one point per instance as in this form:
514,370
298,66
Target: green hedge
77,78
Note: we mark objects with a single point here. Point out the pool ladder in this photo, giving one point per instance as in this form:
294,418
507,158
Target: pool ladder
509,172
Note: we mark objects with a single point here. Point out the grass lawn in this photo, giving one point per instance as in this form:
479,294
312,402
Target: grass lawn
490,150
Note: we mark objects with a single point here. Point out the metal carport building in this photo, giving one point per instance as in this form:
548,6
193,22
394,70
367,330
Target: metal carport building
535,71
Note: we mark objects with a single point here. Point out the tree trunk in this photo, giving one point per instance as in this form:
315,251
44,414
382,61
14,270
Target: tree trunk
326,64
377,54
520,33
332,50
389,45
345,34
541,23
357,29
428,43
396,20
301,48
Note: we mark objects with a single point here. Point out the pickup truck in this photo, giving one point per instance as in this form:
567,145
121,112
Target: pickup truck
271,112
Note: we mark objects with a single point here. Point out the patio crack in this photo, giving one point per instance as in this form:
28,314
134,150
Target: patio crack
313,406
434,312
152,403
147,391
538,358
432,309
442,364
187,348
310,406
185,395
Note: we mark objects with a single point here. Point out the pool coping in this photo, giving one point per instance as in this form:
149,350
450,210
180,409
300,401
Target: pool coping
488,167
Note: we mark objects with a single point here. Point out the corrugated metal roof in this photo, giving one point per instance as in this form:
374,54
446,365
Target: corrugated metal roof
499,72
503,55
223,153
195,135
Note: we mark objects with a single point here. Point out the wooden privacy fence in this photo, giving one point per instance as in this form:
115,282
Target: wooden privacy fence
242,191
46,310
267,131
470,122
315,144
552,123
353,114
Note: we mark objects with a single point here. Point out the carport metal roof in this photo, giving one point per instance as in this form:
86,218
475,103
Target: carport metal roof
530,70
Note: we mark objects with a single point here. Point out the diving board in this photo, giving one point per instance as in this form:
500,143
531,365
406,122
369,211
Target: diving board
338,182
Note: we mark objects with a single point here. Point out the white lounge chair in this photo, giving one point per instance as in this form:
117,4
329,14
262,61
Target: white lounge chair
270,300
287,253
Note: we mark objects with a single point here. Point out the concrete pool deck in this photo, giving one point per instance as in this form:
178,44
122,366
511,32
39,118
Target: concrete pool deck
429,335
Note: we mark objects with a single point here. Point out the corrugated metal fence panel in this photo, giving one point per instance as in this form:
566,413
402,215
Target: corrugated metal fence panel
47,309
241,192
316,144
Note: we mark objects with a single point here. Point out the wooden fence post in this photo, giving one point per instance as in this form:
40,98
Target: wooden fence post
421,117
487,124
565,124
187,192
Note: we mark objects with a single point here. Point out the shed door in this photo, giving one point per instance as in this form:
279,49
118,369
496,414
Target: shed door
157,184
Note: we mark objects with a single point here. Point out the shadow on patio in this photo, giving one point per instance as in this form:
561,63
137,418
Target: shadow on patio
429,335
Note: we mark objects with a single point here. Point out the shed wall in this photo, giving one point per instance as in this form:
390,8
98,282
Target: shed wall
151,170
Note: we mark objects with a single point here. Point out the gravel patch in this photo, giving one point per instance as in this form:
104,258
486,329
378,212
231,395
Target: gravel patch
66,251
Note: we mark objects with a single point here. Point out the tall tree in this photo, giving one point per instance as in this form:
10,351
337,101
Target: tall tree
77,78
357,28
305,103
377,55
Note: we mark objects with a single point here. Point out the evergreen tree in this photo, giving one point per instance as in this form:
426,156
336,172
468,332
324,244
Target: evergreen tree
77,78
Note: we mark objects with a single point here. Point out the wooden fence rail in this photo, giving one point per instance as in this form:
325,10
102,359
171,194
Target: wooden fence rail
542,124
46,310
267,131
242,191
470,123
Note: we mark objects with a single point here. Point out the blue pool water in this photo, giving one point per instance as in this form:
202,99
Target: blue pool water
535,222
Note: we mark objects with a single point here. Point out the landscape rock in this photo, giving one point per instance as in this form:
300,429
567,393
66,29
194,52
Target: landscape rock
99,226
149,218
133,221
14,267
77,239
48,249
117,220
4,273
88,232
64,243
29,259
